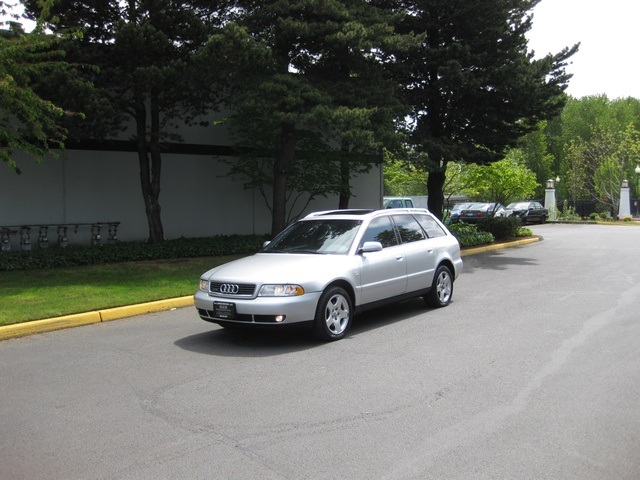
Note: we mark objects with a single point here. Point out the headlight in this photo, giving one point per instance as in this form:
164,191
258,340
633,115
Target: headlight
204,285
281,291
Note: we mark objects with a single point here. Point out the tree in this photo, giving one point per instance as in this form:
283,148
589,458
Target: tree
316,84
505,181
402,178
574,130
533,147
144,51
29,122
474,87
609,157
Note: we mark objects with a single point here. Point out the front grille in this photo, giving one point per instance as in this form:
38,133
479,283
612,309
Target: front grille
243,289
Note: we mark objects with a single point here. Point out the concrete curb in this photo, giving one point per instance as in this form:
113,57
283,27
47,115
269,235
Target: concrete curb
79,319
106,315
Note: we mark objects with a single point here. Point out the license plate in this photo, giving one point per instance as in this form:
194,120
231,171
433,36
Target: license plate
224,310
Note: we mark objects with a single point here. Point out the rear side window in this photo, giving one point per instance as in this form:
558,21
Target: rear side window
409,228
430,226
380,230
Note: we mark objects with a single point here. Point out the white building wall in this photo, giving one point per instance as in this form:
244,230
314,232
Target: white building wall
96,186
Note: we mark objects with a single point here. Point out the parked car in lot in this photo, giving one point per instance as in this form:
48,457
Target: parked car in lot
479,211
528,212
330,265
454,213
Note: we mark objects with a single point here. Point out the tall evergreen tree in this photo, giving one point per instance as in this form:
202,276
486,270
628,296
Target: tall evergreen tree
144,51
317,85
473,85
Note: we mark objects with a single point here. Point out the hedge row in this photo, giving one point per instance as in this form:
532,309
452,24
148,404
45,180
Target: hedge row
131,252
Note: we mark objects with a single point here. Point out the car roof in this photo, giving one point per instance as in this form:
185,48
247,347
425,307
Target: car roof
362,213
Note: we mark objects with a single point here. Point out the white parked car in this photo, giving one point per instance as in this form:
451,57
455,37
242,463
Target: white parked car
331,265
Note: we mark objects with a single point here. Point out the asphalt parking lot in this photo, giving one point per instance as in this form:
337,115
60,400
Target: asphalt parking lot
533,371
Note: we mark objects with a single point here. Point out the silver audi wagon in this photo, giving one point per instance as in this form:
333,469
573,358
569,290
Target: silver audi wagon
331,265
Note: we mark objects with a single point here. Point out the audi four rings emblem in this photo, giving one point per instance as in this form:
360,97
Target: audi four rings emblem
229,288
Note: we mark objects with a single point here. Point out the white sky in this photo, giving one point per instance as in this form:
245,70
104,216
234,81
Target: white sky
609,35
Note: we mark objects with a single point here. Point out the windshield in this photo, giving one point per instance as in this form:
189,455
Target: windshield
316,236
518,206
460,206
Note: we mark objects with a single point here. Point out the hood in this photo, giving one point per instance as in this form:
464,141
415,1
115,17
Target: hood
281,268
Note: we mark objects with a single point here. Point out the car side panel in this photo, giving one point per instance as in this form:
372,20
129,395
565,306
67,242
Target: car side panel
383,274
421,263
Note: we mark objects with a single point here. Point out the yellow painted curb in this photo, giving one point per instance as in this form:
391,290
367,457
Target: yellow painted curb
79,319
132,310
497,246
40,326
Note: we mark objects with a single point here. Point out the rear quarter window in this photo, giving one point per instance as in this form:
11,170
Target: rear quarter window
430,226
409,228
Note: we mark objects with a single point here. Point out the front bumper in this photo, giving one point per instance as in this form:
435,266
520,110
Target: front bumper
259,310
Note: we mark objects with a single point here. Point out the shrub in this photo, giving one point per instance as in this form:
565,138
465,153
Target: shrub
500,227
595,216
469,236
131,252
524,232
568,214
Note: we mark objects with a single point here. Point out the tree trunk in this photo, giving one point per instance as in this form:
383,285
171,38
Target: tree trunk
435,185
150,169
283,163
345,176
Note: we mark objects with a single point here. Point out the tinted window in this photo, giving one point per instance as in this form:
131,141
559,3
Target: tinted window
430,226
409,228
316,236
380,230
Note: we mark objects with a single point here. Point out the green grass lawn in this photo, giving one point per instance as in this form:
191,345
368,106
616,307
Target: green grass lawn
36,294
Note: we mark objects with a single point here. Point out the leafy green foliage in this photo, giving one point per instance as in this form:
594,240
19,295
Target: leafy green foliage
469,235
524,232
501,228
401,178
30,122
131,251
567,214
505,181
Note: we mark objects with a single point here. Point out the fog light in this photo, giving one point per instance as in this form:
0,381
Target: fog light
280,318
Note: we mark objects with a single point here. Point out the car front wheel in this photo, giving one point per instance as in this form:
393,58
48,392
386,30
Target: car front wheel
441,288
333,315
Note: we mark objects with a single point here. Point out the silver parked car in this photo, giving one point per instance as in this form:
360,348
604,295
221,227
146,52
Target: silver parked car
330,265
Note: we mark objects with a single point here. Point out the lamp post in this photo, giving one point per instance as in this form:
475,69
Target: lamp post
637,187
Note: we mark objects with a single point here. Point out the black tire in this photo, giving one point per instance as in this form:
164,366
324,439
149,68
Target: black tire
543,219
333,315
441,288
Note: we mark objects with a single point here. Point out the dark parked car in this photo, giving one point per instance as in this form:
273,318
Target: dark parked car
454,213
528,212
479,211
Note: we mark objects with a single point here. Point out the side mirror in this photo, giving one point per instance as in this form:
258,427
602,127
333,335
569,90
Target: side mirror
370,247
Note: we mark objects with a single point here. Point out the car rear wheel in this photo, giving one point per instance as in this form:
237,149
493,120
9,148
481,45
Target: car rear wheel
333,315
441,289
543,219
